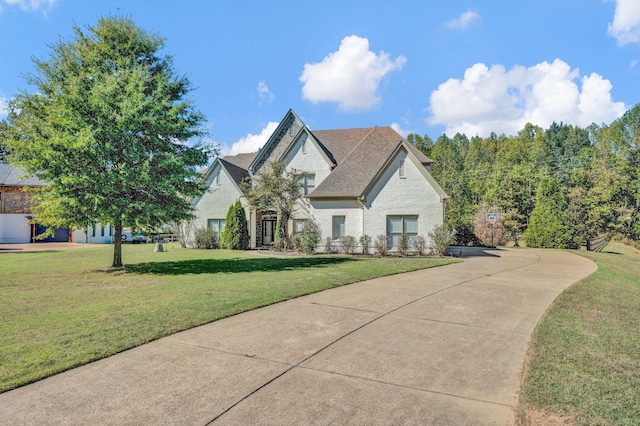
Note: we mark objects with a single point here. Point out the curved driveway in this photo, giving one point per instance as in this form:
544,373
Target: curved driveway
438,346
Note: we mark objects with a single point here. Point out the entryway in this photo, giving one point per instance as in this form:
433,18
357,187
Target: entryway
268,230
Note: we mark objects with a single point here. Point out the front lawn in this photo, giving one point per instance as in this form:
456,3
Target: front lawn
59,310
584,363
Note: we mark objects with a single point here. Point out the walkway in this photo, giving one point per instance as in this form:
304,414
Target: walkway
439,346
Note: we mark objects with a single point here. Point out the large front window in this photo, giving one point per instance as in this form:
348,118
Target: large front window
398,225
217,225
338,227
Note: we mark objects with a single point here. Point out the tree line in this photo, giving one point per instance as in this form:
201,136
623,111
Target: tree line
554,187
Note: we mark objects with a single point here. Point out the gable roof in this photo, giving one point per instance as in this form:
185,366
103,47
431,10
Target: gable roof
10,176
236,172
240,160
364,152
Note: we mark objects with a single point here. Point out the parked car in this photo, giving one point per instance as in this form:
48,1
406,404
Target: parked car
137,238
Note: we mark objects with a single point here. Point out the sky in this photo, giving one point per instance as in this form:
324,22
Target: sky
427,67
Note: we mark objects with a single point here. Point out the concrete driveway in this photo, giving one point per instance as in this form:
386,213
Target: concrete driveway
443,346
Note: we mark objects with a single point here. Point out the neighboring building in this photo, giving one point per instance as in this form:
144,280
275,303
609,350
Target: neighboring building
358,181
16,216
17,224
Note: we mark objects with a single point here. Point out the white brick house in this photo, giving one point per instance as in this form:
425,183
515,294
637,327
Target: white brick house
359,181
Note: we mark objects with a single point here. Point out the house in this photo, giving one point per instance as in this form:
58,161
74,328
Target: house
18,224
16,217
356,181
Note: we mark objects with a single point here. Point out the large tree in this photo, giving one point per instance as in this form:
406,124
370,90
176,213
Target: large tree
107,127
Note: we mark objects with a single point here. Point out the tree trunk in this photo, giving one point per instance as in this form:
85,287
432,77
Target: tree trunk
117,246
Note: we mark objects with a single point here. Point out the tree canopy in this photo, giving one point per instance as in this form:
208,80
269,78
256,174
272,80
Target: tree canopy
594,172
110,128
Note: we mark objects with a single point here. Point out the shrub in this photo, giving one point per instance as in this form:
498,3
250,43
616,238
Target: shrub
464,236
347,244
403,244
440,237
296,240
235,235
311,236
327,245
206,238
365,243
420,244
381,244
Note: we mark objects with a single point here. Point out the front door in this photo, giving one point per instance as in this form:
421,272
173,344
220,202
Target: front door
268,227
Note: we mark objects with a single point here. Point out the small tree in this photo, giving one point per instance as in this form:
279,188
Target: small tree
440,237
235,235
184,232
311,236
347,244
381,244
549,223
278,241
514,225
275,188
420,244
489,233
365,243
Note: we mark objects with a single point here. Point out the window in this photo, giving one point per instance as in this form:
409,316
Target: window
398,225
218,178
217,225
304,147
298,226
93,230
401,171
102,230
309,182
338,227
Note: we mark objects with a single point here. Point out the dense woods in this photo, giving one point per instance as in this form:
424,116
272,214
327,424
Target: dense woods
555,187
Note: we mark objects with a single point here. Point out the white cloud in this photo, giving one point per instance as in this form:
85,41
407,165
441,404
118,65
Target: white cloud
626,22
464,20
402,132
351,76
264,93
29,5
497,100
251,142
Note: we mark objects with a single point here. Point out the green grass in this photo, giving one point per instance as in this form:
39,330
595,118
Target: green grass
59,310
584,360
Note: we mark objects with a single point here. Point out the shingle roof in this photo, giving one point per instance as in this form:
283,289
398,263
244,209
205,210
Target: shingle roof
241,160
238,174
340,143
358,154
361,159
10,176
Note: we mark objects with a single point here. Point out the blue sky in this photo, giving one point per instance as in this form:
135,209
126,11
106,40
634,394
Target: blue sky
421,66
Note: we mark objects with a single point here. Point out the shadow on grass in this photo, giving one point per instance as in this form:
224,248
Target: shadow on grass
213,266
